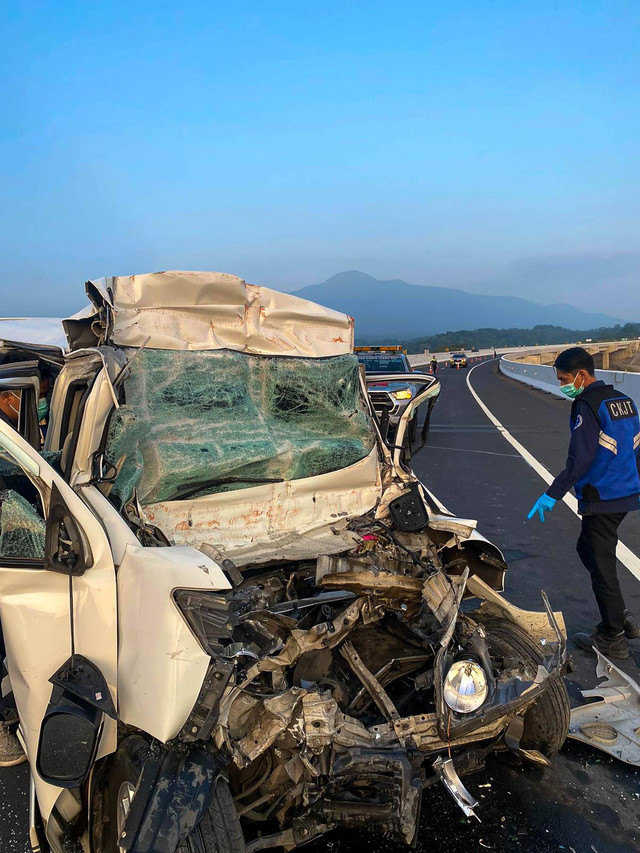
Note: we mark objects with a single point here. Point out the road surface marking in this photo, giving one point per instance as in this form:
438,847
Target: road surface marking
469,450
626,556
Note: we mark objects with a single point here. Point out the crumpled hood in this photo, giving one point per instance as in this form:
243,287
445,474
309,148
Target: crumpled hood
293,520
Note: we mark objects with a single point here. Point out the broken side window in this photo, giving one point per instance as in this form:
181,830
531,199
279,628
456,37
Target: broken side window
22,523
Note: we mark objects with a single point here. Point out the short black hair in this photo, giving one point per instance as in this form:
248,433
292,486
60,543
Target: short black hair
574,359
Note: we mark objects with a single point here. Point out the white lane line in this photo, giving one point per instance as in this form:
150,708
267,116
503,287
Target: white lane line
469,450
626,556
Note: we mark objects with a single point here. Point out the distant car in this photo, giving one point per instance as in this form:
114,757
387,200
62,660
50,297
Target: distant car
458,359
390,398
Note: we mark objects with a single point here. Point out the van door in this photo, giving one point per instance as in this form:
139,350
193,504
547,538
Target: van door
35,596
413,426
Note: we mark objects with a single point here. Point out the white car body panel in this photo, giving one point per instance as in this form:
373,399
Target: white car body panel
34,611
161,665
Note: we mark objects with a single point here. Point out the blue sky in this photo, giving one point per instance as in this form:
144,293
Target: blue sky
455,144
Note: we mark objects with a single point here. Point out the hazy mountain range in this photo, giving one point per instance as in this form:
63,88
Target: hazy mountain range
398,309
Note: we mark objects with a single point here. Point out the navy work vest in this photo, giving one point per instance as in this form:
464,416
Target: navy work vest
614,472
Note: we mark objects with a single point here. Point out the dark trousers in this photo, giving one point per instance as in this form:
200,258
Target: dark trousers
4,704
597,549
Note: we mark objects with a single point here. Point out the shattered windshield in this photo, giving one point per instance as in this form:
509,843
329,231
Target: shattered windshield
200,422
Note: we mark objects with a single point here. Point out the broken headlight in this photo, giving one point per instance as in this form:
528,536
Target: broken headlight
223,626
465,687
209,616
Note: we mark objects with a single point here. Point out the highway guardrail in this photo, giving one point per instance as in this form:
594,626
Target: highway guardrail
543,376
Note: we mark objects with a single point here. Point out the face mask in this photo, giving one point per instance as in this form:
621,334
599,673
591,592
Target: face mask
43,408
571,391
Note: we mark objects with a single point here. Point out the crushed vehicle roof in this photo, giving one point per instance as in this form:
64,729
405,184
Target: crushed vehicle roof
206,311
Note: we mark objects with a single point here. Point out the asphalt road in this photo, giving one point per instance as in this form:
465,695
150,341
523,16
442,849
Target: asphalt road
586,802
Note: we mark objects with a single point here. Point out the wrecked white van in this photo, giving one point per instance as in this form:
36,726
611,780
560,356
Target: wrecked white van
234,619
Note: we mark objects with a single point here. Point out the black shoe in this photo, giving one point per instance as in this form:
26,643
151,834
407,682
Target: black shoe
11,751
631,628
615,647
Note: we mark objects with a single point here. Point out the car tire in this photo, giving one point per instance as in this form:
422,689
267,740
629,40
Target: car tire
219,831
546,723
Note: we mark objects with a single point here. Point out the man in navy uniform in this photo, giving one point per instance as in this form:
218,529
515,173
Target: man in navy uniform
603,466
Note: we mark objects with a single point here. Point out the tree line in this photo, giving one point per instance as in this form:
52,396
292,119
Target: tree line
488,338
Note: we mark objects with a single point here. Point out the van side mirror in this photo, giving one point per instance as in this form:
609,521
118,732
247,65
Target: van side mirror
72,724
64,549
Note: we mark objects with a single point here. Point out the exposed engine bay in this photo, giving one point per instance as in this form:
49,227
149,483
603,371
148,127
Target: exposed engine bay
340,688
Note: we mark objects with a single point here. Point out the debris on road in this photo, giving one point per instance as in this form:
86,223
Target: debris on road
613,723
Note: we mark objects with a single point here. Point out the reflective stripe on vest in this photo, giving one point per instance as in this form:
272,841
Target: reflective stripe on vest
608,442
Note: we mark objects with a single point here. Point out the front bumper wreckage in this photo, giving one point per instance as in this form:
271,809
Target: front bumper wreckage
310,734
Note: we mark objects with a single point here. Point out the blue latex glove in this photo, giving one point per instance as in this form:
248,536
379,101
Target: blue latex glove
544,503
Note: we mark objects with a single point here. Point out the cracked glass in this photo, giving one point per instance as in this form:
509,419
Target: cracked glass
201,422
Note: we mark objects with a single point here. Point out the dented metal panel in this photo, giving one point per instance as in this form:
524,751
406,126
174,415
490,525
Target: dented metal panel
210,310
287,521
161,664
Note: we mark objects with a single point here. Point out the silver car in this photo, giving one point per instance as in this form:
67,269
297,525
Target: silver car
392,385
